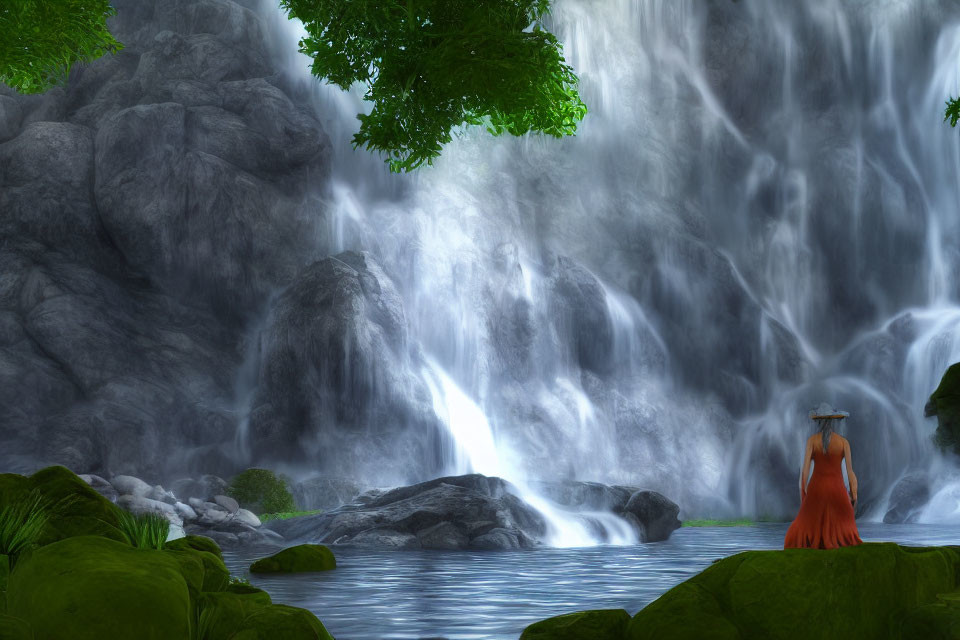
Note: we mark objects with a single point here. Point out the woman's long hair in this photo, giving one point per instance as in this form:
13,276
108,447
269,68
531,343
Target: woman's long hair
826,428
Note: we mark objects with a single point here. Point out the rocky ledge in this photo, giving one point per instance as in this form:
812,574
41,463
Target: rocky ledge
474,512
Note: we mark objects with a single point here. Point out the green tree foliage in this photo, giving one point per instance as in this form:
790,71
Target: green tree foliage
433,65
952,112
40,40
261,491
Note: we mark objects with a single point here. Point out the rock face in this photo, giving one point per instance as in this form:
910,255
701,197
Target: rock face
325,492
471,512
335,352
908,498
142,207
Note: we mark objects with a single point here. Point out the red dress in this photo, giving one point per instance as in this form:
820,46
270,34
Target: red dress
826,519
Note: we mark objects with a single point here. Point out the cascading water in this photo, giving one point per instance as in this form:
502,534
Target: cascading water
757,214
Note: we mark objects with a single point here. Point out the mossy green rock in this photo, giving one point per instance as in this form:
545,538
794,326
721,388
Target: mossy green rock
865,591
4,572
939,621
250,616
76,509
946,402
304,557
249,590
201,561
14,628
92,588
600,624
198,543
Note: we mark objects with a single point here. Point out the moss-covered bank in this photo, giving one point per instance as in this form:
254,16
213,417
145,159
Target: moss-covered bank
81,579
873,591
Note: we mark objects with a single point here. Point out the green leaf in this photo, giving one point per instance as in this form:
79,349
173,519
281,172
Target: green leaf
433,66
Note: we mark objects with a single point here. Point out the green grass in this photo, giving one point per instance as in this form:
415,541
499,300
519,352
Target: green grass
22,523
283,515
146,530
718,523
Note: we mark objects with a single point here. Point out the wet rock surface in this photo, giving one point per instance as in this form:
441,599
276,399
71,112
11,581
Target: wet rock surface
471,512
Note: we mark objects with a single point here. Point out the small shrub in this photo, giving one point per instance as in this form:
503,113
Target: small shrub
261,491
287,514
239,580
22,523
146,530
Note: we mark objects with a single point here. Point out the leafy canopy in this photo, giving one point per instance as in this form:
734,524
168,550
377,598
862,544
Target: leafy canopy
953,111
433,65
41,39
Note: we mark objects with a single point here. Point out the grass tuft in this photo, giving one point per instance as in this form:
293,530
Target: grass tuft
718,523
22,523
284,515
145,530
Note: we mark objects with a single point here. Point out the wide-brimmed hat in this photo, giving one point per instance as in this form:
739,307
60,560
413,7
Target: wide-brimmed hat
826,411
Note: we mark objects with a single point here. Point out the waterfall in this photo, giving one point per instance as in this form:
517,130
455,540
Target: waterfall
757,214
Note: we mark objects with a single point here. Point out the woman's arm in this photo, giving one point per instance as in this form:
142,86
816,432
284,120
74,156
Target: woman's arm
850,475
805,471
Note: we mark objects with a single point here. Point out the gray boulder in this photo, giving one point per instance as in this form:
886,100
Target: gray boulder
656,516
101,486
131,486
205,487
247,517
227,503
446,513
586,496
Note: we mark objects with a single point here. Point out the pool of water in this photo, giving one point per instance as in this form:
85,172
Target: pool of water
493,595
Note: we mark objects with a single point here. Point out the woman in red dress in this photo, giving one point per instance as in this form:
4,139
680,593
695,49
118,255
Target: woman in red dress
826,519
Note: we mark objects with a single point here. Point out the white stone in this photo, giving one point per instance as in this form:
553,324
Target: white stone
136,504
161,494
247,517
130,486
227,503
185,511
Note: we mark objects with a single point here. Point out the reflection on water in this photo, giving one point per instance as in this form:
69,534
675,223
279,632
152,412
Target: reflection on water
379,595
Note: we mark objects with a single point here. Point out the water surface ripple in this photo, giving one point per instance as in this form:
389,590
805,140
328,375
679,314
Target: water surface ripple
493,595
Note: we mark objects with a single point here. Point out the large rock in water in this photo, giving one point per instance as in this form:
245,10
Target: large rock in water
472,512
459,512
652,515
142,205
